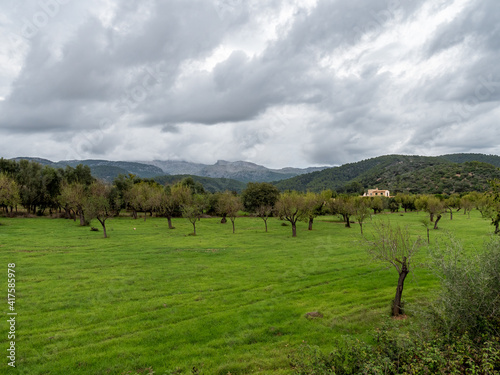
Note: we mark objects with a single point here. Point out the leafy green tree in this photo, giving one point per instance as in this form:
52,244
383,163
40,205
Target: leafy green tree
493,210
291,206
50,189
343,205
196,187
393,205
30,184
80,174
376,204
72,199
9,193
393,245
259,194
468,302
407,201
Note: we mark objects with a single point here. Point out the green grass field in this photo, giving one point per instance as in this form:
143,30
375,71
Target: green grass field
152,298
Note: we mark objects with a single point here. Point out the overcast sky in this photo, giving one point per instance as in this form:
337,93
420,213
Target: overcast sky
275,82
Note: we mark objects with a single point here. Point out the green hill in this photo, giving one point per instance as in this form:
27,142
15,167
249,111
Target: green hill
463,158
402,173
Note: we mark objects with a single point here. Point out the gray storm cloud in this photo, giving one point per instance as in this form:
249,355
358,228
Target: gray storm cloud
324,82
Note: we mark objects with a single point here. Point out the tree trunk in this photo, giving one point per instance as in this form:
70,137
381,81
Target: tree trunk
428,237
294,230
232,221
311,219
223,220
451,214
265,222
103,223
134,214
361,227
396,309
431,217
169,219
82,218
437,221
194,228
348,221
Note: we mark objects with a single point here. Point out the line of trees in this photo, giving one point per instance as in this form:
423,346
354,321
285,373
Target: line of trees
68,191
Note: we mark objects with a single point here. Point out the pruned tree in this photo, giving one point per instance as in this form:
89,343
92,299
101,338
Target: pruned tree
291,206
435,208
343,206
427,224
229,205
143,196
313,206
193,209
264,212
72,198
361,211
394,246
467,205
101,204
171,200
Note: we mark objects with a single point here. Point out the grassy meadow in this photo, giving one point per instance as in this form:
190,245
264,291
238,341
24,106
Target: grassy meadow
152,299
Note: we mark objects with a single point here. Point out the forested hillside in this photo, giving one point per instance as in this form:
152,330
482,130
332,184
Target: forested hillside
401,173
463,158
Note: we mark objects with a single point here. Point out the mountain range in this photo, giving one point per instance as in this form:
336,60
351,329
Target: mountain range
452,173
239,170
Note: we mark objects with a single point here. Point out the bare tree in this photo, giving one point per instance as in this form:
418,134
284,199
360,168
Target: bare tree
393,245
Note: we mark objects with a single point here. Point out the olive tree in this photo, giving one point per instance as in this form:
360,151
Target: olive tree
361,211
264,212
229,205
171,199
394,246
291,206
9,193
101,204
193,209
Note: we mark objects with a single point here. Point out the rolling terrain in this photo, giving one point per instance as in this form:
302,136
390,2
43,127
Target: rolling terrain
403,173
